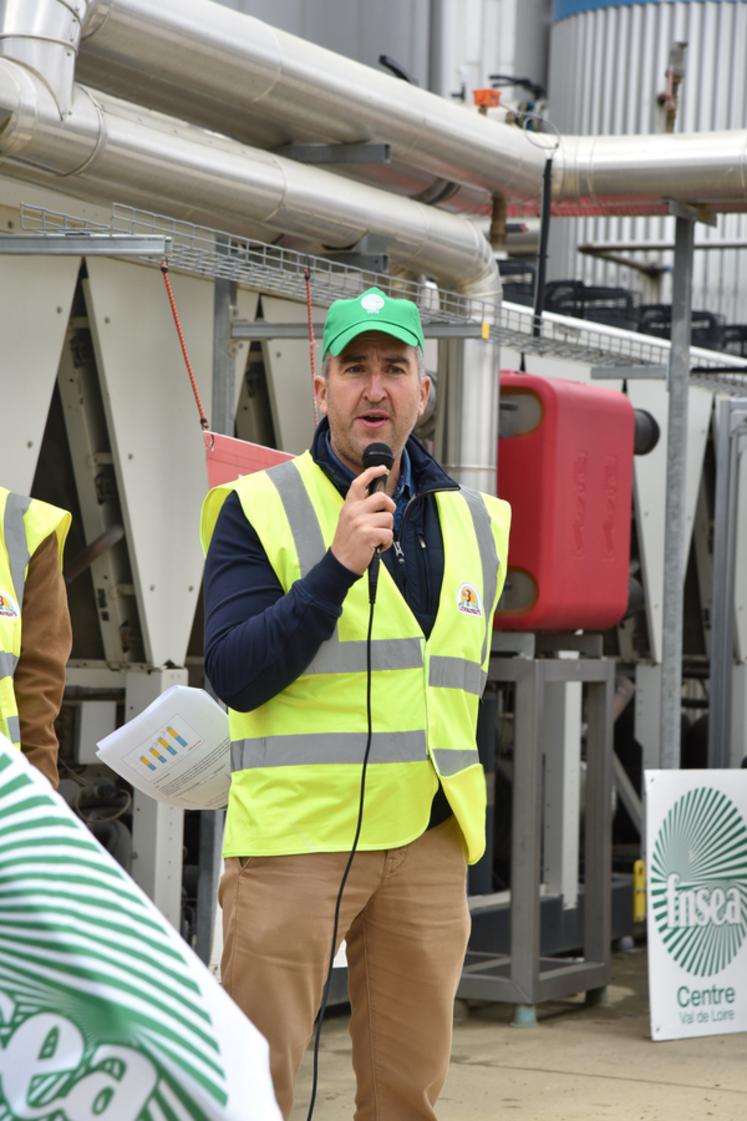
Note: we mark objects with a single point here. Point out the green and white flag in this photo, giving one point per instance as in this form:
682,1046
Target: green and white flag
105,1013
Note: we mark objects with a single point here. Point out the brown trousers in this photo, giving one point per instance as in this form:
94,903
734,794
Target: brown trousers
405,917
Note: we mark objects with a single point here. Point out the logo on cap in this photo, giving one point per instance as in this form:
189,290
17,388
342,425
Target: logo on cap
468,601
372,303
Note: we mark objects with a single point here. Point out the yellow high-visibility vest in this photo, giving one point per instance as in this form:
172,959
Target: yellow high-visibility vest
24,524
296,760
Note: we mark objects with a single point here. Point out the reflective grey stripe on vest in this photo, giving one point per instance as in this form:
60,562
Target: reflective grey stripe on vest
13,725
304,524
451,762
333,747
350,657
8,663
15,542
488,557
456,673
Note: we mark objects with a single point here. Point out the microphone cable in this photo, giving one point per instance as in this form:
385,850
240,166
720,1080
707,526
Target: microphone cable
348,866
374,454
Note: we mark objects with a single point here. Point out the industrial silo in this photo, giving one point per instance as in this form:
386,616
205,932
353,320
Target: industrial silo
614,68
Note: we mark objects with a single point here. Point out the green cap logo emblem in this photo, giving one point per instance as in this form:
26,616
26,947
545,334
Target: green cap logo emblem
372,303
698,881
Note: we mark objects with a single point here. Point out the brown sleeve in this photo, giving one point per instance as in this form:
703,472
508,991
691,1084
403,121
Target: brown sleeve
46,642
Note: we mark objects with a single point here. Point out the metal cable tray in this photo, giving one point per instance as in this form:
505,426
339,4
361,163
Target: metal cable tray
217,254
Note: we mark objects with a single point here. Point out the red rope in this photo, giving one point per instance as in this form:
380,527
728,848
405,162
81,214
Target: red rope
182,343
312,356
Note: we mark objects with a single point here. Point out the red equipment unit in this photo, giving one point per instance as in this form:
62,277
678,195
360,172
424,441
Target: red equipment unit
227,458
565,463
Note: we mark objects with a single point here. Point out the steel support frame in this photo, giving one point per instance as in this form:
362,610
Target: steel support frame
222,412
524,977
675,516
223,420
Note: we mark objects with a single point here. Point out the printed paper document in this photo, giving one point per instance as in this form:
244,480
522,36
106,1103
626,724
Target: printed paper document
177,750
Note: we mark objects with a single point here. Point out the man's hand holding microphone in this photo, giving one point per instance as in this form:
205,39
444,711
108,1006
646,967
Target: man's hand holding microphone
365,527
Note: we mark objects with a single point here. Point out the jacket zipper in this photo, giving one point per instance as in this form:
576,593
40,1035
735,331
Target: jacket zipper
399,551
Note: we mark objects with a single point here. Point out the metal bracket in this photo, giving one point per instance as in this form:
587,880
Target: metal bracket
695,212
336,153
85,245
369,254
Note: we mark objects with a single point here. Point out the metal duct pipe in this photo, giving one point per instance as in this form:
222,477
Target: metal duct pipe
108,150
44,35
470,443
272,88
708,168
230,72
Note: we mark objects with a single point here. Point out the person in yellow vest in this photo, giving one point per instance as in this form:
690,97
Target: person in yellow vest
287,618
35,633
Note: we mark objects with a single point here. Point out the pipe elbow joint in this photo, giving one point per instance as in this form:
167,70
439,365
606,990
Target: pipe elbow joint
31,132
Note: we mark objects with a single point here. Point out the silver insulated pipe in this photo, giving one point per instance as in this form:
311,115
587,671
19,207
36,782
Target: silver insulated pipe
272,88
108,150
44,36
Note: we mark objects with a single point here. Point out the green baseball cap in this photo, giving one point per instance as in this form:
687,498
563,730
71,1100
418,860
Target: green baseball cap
373,310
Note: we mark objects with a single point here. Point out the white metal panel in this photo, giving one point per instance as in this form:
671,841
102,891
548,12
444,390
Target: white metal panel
246,310
740,544
700,408
739,715
546,366
649,490
561,735
289,375
34,310
156,440
649,498
648,712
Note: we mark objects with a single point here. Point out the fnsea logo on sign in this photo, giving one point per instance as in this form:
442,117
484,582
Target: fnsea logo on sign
697,901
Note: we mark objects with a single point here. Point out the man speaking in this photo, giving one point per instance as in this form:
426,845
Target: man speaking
318,680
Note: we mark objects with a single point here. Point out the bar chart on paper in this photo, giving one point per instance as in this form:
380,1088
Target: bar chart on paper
167,744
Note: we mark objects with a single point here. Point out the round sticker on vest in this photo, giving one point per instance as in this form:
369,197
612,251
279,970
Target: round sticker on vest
468,601
372,303
8,606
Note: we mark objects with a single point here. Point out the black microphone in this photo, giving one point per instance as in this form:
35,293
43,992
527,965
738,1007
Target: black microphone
376,455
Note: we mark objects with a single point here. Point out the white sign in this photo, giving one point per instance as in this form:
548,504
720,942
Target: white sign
696,845
105,1013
